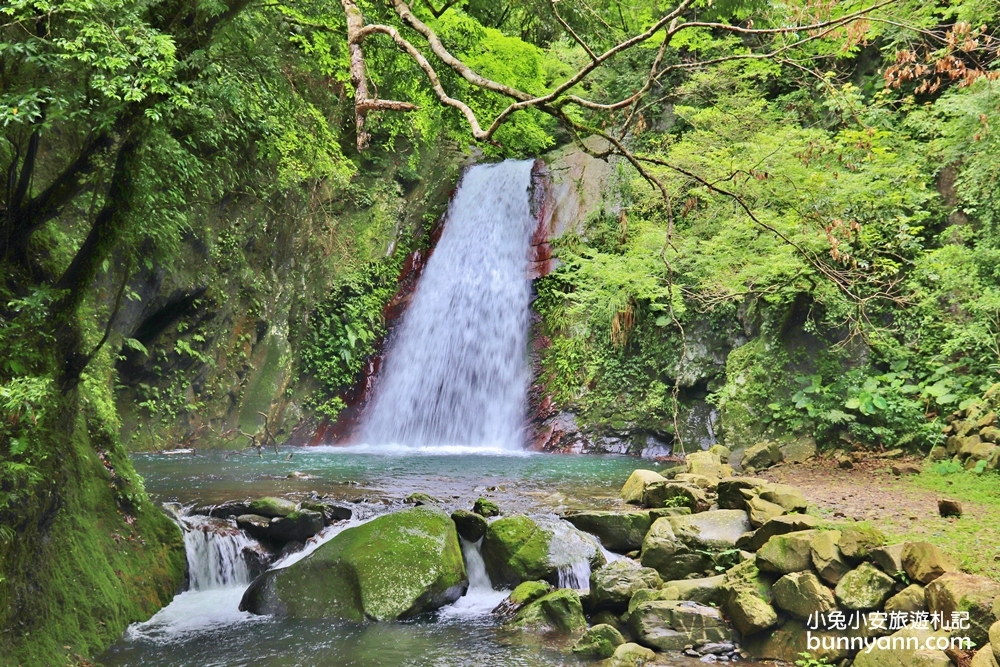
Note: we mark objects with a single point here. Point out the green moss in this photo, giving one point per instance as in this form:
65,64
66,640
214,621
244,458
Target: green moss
516,549
529,591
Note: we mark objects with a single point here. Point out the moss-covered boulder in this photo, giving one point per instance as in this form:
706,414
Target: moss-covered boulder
730,491
788,642
864,588
599,641
762,455
560,610
635,486
675,494
665,552
827,559
521,548
526,592
787,497
717,530
782,525
747,598
761,511
670,625
858,541
396,566
272,507
923,562
802,594
631,655
618,531
707,463
471,526
787,553
485,507
612,586
648,595
965,593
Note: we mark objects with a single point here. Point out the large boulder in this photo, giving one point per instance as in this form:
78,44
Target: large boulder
802,594
670,625
859,540
782,525
667,553
560,610
708,464
471,526
959,592
746,596
787,553
787,497
761,511
271,507
706,590
923,562
711,531
675,494
829,562
984,658
635,486
521,548
762,455
297,526
910,599
617,531
612,586
889,558
863,588
798,450
599,641
995,639
523,593
396,566
730,491
896,651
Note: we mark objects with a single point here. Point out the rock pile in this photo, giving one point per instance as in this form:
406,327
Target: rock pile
973,434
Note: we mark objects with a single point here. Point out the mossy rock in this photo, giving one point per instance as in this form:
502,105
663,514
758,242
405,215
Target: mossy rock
965,593
272,507
864,588
787,553
394,567
612,586
618,531
747,599
599,641
858,541
520,548
802,594
559,610
471,526
635,486
485,507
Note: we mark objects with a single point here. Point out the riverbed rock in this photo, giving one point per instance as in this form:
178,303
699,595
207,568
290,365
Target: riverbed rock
802,594
708,464
485,507
599,641
560,610
393,567
923,562
746,595
706,590
612,586
762,455
673,494
827,559
635,486
910,599
631,655
665,551
895,651
254,525
298,526
649,595
787,553
331,511
959,592
863,588
782,525
618,531
730,491
271,507
711,531
520,548
670,625
471,526
525,592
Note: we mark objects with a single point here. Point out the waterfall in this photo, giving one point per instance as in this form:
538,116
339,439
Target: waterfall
456,371
475,566
575,575
215,554
480,599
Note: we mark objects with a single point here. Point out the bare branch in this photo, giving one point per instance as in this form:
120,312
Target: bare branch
567,28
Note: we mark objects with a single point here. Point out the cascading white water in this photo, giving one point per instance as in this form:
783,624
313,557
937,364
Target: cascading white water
215,554
575,575
456,372
480,599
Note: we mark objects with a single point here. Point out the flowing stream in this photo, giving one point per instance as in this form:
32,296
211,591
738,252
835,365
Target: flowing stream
456,373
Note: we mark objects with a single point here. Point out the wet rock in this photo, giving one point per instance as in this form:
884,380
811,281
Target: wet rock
908,600
631,655
526,592
331,511
612,586
485,507
802,594
730,491
948,507
667,494
670,625
706,590
272,507
787,553
747,599
923,562
782,525
829,562
224,510
599,641
298,526
863,588
419,499
959,592
857,541
619,532
635,486
762,455
521,548
559,610
471,526
254,525
396,566
889,558
897,652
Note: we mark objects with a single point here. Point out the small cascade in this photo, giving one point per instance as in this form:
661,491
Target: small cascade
575,575
480,599
215,553
475,566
